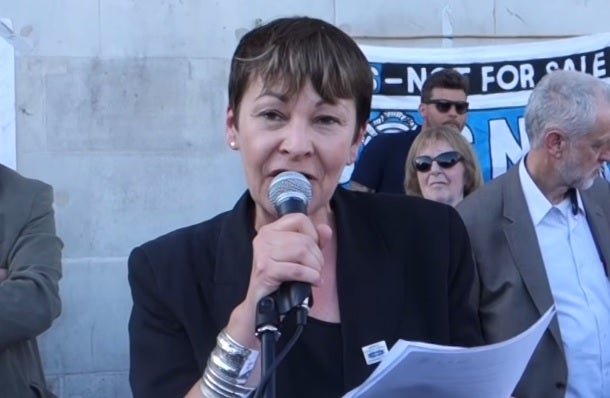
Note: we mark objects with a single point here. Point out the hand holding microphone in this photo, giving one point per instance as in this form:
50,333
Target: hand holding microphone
290,192
287,253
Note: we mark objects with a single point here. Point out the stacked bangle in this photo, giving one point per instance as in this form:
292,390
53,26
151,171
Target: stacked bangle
228,369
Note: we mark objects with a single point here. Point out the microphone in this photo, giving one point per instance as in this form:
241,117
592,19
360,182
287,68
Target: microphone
290,192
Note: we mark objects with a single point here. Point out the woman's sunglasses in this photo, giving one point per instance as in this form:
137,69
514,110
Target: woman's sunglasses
446,160
443,106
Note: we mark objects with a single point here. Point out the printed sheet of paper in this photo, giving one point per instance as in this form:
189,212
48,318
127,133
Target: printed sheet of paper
416,370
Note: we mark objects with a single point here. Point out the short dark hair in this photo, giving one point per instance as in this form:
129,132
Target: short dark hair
444,78
292,51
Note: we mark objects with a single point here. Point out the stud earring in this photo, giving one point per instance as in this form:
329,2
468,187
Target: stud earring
232,144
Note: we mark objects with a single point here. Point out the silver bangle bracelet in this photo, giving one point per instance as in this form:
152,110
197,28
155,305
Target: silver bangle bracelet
207,391
215,386
231,360
228,369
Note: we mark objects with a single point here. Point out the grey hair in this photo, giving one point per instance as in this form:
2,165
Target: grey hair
565,100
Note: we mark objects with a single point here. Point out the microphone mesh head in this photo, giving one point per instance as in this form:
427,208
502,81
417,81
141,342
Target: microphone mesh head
289,185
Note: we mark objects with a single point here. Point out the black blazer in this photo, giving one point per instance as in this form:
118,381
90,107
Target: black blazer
404,271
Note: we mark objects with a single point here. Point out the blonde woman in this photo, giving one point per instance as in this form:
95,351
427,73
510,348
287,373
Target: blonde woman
442,166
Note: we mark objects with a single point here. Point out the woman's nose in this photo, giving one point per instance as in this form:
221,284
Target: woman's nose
297,139
435,168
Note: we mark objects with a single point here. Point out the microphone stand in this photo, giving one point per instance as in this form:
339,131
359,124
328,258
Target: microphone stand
267,321
289,192
268,310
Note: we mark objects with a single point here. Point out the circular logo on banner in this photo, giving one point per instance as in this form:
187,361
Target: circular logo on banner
387,122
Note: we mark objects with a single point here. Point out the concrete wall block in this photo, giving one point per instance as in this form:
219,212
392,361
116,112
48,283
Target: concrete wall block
207,97
404,19
30,101
133,104
563,18
91,333
191,28
55,28
107,204
97,385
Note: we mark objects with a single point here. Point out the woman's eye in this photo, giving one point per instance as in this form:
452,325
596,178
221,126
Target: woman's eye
328,120
271,115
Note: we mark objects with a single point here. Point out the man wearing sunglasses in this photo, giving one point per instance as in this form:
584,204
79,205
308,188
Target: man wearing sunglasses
540,235
381,165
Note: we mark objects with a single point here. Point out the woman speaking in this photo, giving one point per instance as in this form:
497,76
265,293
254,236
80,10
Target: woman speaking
381,268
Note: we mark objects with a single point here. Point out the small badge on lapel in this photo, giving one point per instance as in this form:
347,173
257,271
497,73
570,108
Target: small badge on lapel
375,352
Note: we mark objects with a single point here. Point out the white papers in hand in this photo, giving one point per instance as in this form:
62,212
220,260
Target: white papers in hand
414,370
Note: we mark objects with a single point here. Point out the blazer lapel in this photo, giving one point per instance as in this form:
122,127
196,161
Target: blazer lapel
2,227
599,225
4,209
367,279
233,261
523,243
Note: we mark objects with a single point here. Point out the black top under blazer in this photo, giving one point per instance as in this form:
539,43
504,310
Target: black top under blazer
404,270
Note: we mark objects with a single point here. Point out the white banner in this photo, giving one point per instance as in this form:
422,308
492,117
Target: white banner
501,79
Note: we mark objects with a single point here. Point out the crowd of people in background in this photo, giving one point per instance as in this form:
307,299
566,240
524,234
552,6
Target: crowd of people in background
381,165
540,232
442,256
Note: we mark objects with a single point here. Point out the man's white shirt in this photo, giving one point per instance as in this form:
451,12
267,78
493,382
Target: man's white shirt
580,288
